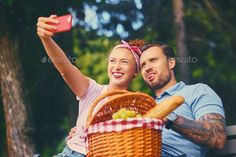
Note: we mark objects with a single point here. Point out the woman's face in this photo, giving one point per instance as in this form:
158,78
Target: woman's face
121,67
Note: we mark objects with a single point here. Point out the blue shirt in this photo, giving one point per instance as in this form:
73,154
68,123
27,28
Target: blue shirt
200,99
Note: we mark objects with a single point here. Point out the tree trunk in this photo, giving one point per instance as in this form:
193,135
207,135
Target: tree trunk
18,144
178,6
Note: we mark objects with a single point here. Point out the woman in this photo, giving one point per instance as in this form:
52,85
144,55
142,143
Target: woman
123,66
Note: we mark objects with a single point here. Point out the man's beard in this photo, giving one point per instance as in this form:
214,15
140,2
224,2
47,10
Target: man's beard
160,82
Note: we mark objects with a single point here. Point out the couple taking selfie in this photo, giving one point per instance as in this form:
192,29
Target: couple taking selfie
197,126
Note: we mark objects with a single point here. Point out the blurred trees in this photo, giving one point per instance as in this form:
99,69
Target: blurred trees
210,31
14,106
210,45
18,39
178,7
18,142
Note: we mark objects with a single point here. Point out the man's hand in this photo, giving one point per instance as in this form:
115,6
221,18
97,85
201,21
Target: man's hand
71,133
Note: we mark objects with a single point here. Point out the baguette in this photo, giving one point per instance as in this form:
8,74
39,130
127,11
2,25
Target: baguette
165,107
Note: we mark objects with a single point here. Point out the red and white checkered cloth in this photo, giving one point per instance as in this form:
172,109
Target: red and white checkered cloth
121,125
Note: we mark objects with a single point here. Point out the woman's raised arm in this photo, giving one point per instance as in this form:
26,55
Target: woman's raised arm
71,74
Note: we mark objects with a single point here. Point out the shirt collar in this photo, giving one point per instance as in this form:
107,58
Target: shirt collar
171,91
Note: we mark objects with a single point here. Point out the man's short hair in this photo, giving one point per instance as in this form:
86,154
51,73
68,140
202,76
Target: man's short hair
167,50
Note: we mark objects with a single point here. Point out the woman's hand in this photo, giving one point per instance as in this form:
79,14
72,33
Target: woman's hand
44,29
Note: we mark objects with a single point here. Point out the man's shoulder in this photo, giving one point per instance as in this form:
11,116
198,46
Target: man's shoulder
198,90
197,87
194,91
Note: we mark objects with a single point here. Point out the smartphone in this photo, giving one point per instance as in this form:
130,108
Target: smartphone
65,23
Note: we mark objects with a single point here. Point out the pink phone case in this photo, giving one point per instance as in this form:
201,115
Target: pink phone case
64,24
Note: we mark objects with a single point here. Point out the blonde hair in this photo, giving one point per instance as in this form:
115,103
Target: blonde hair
136,42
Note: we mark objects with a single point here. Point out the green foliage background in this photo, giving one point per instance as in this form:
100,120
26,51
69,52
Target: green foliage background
210,37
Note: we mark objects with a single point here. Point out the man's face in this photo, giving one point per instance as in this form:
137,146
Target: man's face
155,68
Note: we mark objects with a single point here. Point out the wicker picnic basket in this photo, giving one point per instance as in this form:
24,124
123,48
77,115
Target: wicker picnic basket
138,142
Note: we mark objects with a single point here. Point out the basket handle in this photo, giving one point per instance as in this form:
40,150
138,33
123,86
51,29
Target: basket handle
94,104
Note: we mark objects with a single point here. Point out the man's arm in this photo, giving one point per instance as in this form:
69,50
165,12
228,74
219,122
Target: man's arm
208,130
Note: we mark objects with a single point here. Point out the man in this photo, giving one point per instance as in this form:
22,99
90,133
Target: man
199,123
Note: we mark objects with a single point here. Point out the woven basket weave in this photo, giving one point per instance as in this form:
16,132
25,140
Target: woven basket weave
135,142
